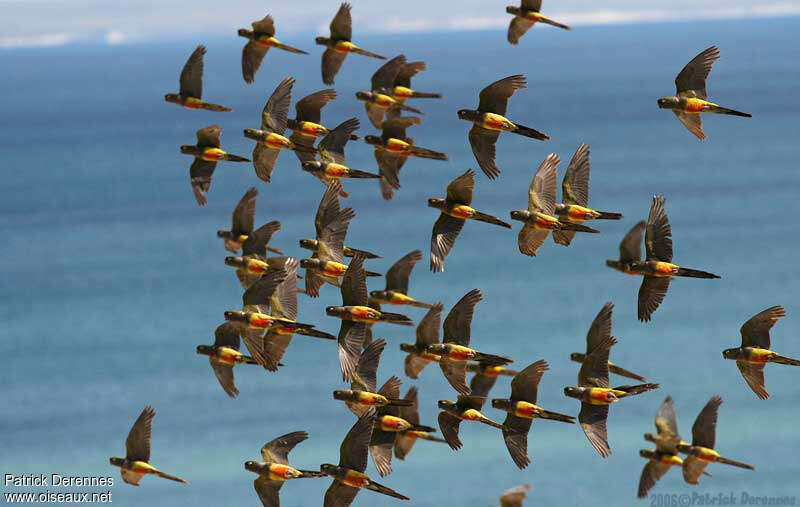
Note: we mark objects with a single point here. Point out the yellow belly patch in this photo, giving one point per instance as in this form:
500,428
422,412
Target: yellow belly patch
383,101
532,16
310,129
670,459
460,353
543,221
392,423
757,355
526,410
227,355
695,105
276,141
333,170
579,213
708,455
471,415
401,92
427,356
355,479
334,269
371,399
494,121
266,41
260,320
192,103
140,467
279,472
364,314
397,146
601,396
256,266
400,299
664,269
344,46
212,154
461,211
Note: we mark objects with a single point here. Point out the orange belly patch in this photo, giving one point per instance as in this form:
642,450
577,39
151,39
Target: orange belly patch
665,269
333,170
391,423
397,146
279,472
462,211
260,321
458,353
344,46
212,154
601,395
524,409
334,269
370,399
312,129
695,105
402,92
364,314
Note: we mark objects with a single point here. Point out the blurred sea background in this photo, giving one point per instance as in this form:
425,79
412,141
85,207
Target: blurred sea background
112,274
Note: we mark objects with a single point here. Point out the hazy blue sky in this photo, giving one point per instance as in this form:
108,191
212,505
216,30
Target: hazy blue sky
55,22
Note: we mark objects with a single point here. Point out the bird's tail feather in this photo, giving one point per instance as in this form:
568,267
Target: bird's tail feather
165,475
609,215
489,219
248,360
432,438
380,488
554,23
311,473
410,109
637,389
735,463
626,373
555,416
421,427
426,153
733,112
401,403
216,107
235,158
426,95
491,359
363,52
365,254
569,226
396,318
420,304
355,173
785,360
316,334
529,132
372,273
491,423
695,273
291,49
276,251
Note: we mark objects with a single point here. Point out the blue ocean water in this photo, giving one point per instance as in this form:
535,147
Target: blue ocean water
112,274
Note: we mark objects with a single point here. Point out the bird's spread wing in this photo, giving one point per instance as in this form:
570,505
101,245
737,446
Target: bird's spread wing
137,445
309,107
252,56
630,248
244,214
456,374
408,71
525,384
704,429
264,159
460,189
651,473
600,329
575,186
354,285
256,242
342,24
542,192
651,294
398,275
494,98
353,451
277,450
658,238
367,371
208,137
276,111
192,74
459,321
755,332
693,122
227,335
224,374
530,239
754,376
594,370
383,78
517,28
331,148
513,497
332,61
445,232
428,327
483,143
592,419
449,424
691,81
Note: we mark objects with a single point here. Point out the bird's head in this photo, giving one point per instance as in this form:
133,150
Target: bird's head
364,95
312,165
467,114
236,262
435,348
501,404
520,214
308,244
117,462
668,102
576,356
730,353
244,33
341,394
446,404
172,97
308,263
572,392
188,149
334,311
435,202
252,466
235,316
373,140
649,437
408,348
511,9
378,294
322,40
327,468
205,350
646,453
255,134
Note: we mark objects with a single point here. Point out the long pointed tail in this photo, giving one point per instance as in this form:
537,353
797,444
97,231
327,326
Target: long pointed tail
569,226
426,153
364,253
410,109
311,473
734,463
235,158
276,251
402,403
295,325
432,438
355,173
426,95
489,219
733,112
420,304
363,52
316,334
380,488
421,427
396,318
491,359
637,389
372,273
529,132
555,416
291,49
216,107
554,23
609,215
248,360
165,475
491,423
626,373
785,360
695,273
